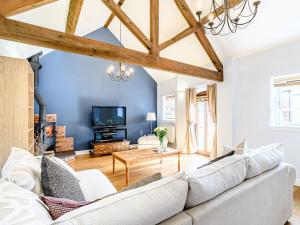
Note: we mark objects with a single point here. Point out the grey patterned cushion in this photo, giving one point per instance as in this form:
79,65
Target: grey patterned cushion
144,181
58,182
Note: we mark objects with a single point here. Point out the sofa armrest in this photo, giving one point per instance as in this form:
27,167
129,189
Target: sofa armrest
95,184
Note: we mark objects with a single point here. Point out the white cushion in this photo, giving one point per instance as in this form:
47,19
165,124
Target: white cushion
149,205
240,149
21,207
212,180
23,169
262,159
94,184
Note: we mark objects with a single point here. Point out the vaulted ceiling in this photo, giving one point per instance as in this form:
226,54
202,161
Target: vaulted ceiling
276,24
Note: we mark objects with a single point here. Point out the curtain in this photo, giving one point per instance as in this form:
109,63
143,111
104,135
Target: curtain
190,145
212,108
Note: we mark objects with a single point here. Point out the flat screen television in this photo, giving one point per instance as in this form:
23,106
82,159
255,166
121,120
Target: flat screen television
104,116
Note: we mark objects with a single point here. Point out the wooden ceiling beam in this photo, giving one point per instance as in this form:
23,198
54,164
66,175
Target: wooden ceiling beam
154,26
128,23
112,15
188,31
200,34
13,7
31,34
73,15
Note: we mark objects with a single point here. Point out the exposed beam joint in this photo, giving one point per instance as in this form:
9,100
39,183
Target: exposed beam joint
13,7
188,31
112,15
154,26
200,34
30,34
73,15
128,23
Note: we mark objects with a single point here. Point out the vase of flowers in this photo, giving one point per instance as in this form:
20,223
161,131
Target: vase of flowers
161,133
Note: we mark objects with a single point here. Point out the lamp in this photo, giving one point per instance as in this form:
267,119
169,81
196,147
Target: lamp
151,117
122,74
226,16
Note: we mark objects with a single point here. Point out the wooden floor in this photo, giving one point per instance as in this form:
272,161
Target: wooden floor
168,167
104,163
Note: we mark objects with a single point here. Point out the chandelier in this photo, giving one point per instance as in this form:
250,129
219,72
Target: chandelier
224,17
122,74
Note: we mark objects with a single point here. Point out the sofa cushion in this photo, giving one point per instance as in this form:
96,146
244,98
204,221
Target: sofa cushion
240,149
262,159
94,184
60,206
150,204
21,207
212,180
59,182
23,169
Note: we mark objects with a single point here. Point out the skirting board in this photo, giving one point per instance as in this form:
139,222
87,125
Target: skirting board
82,152
297,183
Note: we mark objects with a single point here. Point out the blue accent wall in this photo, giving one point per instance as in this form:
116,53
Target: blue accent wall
71,84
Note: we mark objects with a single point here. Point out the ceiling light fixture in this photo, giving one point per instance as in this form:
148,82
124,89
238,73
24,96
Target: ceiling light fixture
122,74
225,18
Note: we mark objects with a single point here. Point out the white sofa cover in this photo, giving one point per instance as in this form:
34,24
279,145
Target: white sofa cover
266,199
147,205
19,206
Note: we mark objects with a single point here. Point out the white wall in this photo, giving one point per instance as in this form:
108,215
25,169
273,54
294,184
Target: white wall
225,106
252,105
10,49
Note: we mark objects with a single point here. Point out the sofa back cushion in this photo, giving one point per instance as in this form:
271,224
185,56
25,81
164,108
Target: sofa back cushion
212,180
23,169
21,207
262,159
150,204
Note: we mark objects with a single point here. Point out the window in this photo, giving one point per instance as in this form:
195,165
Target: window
286,101
168,107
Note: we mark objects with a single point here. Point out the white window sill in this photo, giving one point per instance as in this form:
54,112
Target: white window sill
285,128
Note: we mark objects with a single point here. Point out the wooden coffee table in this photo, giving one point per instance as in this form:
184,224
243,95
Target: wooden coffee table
132,157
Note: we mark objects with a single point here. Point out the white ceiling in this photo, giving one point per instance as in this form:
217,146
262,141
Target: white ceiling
277,23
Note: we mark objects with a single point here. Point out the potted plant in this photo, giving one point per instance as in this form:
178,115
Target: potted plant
161,133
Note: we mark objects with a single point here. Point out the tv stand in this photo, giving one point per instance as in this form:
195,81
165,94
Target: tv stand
107,147
109,134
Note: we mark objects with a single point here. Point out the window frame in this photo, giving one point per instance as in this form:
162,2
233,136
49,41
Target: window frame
275,100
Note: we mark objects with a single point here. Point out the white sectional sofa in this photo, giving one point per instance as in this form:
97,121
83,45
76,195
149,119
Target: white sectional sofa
226,197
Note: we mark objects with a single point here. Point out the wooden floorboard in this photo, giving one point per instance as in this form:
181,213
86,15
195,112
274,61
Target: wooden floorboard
168,167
